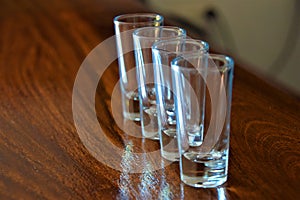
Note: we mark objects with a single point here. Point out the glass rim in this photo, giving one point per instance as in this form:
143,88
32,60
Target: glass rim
151,28
227,60
156,18
157,46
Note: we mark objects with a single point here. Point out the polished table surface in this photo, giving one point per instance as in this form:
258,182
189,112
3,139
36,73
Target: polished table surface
42,156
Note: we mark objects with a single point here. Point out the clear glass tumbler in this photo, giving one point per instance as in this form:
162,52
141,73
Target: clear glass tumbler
143,39
203,164
124,26
163,53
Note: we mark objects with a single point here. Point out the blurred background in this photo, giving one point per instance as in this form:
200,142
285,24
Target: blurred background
263,35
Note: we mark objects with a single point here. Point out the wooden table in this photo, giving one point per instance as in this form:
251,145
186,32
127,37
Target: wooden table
43,44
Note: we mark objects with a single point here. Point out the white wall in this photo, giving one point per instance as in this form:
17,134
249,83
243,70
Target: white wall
256,31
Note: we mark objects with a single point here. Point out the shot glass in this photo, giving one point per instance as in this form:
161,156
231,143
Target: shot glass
124,26
163,52
204,162
143,39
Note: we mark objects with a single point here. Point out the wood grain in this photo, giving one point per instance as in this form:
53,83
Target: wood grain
42,45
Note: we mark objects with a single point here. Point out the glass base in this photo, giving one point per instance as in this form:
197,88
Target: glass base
200,182
205,170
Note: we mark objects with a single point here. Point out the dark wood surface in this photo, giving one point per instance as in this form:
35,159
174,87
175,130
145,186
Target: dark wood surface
42,45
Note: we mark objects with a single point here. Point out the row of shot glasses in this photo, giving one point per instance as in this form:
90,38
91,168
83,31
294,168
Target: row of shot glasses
179,92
